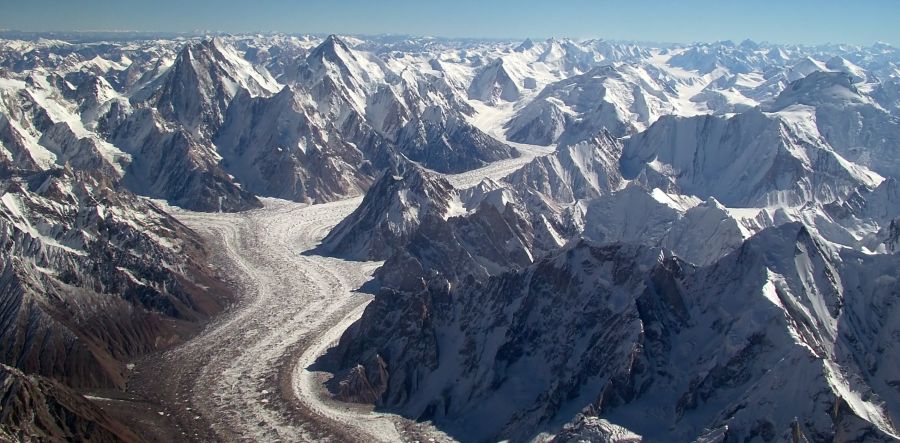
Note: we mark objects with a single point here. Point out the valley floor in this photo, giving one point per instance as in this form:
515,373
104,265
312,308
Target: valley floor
235,380
246,376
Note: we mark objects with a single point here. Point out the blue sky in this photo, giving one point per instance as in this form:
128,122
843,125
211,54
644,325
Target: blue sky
792,21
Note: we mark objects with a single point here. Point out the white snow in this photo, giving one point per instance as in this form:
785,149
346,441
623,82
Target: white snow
288,299
15,209
58,112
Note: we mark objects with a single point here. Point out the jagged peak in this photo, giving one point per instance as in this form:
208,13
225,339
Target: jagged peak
497,198
749,44
524,46
473,196
779,243
821,88
215,42
428,188
333,48
397,204
582,253
217,54
334,39
808,62
496,63
711,202
212,48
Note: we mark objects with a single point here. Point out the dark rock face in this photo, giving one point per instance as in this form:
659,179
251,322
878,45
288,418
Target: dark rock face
419,224
393,208
540,321
200,126
37,408
93,278
487,242
274,148
445,142
172,165
893,235
624,333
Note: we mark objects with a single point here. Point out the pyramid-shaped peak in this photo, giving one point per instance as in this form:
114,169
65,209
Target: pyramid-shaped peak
749,44
208,48
334,40
525,45
332,48
416,178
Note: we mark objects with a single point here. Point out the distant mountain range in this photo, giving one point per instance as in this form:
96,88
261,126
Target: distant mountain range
701,244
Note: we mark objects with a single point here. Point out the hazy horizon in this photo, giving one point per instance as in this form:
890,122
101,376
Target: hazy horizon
803,22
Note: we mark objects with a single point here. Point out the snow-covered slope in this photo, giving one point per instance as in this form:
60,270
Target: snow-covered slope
575,172
497,81
622,99
692,236
710,156
637,337
858,128
280,147
391,212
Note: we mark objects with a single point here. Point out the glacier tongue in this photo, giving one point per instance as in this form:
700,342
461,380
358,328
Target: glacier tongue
568,239
659,266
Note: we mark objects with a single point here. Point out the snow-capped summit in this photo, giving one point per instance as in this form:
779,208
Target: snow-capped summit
804,67
620,99
444,140
340,78
583,170
392,210
526,45
709,156
852,122
281,147
495,82
841,64
201,83
821,88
